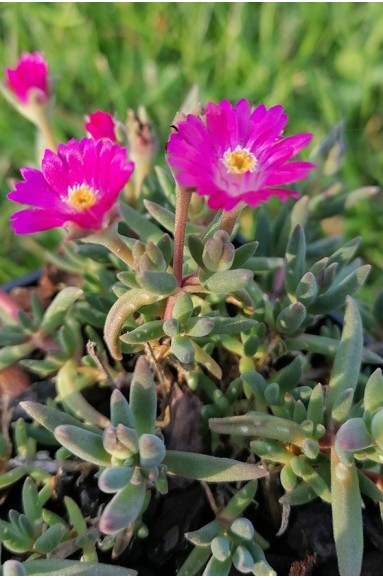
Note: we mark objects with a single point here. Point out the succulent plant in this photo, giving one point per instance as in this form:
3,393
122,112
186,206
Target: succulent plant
250,314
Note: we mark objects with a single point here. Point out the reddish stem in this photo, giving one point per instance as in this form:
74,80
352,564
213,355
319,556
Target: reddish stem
230,218
170,306
182,210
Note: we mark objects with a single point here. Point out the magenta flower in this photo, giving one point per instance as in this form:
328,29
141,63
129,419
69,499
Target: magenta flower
101,125
31,73
237,154
79,185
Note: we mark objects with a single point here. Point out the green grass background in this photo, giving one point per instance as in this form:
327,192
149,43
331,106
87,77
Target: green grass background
322,61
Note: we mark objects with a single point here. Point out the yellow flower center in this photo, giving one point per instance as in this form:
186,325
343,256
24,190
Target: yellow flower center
82,197
239,161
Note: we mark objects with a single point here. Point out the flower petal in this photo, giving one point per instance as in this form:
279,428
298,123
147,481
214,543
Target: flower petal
34,220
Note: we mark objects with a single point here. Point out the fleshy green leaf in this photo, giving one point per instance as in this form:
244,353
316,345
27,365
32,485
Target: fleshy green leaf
228,281
13,568
315,406
58,309
289,376
220,547
264,264
120,411
327,346
261,425
345,371
182,347
120,312
31,504
346,516
336,295
113,479
353,436
243,528
75,515
84,444
295,259
342,406
74,568
204,535
143,398
195,561
157,282
344,254
144,229
68,380
209,468
217,568
271,450
307,289
243,560
12,476
202,357
244,253
123,509
152,450
199,326
291,318
144,333
232,326
50,539
183,307
50,417
373,393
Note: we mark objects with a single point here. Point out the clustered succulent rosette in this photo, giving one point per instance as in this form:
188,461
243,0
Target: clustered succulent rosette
175,312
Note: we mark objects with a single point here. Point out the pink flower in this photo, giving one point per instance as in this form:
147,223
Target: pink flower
237,154
79,185
101,125
31,73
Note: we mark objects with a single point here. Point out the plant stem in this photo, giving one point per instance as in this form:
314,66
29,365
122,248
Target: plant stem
44,125
183,198
229,219
112,241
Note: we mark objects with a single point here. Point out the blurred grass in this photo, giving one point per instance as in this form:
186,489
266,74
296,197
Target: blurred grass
322,61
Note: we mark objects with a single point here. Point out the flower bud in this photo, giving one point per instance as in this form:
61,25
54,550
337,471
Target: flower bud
148,257
143,145
27,88
113,446
218,253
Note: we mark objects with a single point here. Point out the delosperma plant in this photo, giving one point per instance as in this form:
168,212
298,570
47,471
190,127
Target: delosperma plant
192,280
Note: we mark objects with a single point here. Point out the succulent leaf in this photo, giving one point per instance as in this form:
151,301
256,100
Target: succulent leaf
120,312
346,516
345,371
209,468
353,436
113,479
152,450
123,509
228,281
295,259
120,412
58,309
50,539
84,444
143,398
